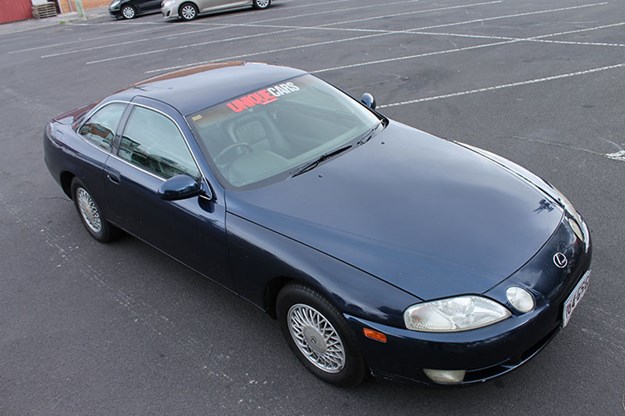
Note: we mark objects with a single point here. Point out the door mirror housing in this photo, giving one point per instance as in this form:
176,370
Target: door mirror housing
368,100
179,187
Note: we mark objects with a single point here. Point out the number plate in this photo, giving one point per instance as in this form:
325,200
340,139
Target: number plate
576,295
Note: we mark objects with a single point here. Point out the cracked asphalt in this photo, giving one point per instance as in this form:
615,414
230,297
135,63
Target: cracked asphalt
121,329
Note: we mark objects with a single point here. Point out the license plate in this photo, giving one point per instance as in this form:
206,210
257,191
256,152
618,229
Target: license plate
573,300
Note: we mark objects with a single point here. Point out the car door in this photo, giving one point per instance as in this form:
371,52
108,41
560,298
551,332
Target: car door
152,148
97,133
148,5
208,5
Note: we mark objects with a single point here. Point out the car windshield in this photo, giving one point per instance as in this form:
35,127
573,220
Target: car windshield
280,129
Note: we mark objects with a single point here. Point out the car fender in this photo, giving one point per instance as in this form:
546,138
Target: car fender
260,257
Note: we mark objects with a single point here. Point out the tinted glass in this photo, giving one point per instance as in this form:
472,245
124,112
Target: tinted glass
154,143
101,126
275,130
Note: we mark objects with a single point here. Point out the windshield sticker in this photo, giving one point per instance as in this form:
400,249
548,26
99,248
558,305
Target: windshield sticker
262,97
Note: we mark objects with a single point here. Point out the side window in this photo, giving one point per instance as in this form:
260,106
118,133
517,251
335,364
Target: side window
101,126
154,143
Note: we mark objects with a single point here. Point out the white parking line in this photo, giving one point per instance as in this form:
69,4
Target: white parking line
405,58
54,45
285,29
465,22
314,4
214,26
129,42
503,86
329,42
340,10
506,40
488,19
537,38
221,27
377,34
191,45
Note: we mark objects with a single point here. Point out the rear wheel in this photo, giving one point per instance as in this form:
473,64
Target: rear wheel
319,336
188,11
90,214
261,4
129,12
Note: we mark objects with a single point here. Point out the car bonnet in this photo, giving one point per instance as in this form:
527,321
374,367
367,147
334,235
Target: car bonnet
422,213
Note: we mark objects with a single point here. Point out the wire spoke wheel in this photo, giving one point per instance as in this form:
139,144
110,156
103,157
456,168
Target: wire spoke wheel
316,338
91,216
88,210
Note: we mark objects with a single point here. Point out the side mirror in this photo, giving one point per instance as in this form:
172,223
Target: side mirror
368,100
179,187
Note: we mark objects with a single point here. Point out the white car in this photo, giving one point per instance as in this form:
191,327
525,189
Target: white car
190,9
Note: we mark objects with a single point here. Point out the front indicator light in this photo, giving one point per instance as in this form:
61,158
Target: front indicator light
520,299
454,314
445,376
374,335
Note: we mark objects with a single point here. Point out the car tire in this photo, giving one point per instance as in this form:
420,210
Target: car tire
320,336
129,12
188,11
261,4
90,214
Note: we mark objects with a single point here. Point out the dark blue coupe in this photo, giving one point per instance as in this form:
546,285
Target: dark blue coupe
379,248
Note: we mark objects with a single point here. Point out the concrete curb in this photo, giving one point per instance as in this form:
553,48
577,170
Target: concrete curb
66,18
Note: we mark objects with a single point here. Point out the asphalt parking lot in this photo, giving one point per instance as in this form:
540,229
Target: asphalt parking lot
122,329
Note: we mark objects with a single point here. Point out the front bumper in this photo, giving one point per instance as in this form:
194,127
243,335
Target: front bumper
115,11
170,11
492,351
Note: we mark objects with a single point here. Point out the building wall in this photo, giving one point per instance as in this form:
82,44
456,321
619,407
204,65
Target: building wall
87,4
14,10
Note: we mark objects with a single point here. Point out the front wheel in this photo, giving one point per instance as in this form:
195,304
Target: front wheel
90,214
319,336
188,11
129,12
261,4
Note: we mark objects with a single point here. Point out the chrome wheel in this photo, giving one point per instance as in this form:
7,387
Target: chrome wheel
316,338
88,210
128,12
188,12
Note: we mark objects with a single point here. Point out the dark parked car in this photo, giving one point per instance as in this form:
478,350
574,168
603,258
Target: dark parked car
379,248
129,9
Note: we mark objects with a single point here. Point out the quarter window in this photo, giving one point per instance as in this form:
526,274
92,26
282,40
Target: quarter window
101,126
154,143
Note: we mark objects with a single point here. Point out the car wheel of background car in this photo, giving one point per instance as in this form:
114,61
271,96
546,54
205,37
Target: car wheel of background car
319,336
90,214
261,4
129,12
188,11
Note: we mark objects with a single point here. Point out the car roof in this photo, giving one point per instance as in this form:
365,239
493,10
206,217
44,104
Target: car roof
193,89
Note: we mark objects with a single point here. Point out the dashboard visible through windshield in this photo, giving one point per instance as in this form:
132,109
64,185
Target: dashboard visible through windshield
277,129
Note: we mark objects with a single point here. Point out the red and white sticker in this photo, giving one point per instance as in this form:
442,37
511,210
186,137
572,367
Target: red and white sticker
262,97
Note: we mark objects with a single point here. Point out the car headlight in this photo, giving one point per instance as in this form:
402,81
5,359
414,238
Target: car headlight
115,3
454,314
575,220
566,204
167,3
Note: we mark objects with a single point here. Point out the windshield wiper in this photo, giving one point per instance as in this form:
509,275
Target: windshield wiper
316,162
369,134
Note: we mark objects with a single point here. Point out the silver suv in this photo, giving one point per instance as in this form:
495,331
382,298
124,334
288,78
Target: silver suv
190,9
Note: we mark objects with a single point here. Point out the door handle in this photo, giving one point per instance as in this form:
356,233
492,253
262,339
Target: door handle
113,176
